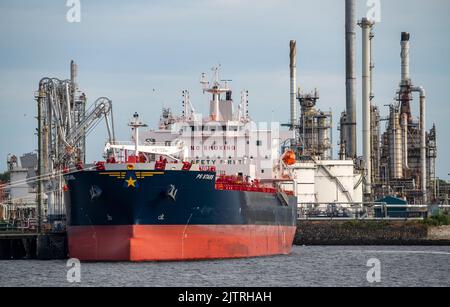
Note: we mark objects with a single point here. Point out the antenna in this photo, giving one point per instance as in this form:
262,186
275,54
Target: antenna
216,70
204,82
226,82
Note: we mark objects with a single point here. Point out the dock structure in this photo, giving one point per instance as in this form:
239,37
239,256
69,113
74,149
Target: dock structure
32,206
15,245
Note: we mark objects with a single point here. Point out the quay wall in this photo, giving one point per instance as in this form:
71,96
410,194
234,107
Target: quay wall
369,232
33,246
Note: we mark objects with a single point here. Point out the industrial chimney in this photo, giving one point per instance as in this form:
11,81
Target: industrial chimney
406,80
293,79
73,73
73,79
405,91
350,63
366,26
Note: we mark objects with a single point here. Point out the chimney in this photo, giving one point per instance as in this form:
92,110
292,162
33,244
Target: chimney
293,79
366,26
350,63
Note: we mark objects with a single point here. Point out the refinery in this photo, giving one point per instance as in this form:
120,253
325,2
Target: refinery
394,177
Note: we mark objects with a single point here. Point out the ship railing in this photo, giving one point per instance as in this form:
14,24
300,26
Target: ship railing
234,183
205,133
121,151
363,211
19,225
128,143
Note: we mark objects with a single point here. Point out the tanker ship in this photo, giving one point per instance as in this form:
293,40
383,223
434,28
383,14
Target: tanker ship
193,188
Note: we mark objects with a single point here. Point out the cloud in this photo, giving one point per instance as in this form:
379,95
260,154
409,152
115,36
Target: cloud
125,49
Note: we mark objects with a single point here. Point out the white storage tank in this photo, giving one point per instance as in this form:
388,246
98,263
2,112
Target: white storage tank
327,181
304,174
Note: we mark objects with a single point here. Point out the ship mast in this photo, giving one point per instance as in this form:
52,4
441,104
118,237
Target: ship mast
135,124
216,89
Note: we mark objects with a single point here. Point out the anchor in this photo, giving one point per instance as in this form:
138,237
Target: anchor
172,192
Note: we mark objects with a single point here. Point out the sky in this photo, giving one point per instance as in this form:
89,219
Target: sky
143,54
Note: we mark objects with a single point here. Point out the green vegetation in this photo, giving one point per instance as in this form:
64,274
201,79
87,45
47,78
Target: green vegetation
437,220
366,224
4,176
441,182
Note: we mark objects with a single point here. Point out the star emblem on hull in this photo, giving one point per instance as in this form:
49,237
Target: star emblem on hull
131,182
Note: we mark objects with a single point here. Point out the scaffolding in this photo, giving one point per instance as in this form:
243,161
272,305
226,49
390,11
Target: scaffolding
315,128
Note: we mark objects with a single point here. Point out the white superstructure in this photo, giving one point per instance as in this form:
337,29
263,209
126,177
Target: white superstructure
227,140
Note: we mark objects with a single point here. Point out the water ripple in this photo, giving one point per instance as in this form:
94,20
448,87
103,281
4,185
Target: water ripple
331,266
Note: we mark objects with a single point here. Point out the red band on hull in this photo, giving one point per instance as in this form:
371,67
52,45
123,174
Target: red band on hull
178,242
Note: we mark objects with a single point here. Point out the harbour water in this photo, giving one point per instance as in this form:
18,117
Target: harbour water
306,266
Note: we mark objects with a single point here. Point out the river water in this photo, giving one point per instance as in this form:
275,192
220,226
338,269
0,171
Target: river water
306,266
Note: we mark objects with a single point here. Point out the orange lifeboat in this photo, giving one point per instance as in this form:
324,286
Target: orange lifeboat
289,157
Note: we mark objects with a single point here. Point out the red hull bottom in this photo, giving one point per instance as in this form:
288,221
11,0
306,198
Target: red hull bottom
177,242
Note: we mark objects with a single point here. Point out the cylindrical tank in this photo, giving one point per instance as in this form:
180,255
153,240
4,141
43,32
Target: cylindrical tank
405,142
323,136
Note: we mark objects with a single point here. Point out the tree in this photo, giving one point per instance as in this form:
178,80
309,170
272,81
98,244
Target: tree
4,176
